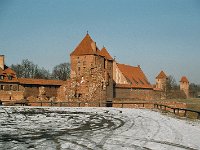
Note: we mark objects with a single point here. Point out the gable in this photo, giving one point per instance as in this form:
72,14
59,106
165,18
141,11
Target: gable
135,76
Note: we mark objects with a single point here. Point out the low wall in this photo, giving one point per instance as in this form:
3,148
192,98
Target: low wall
143,94
11,95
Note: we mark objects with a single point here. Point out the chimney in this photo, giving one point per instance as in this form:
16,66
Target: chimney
2,62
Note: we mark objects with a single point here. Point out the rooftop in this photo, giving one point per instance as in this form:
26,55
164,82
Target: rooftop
86,47
161,75
135,76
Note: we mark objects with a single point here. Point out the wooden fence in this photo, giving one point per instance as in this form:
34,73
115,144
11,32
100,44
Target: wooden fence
177,111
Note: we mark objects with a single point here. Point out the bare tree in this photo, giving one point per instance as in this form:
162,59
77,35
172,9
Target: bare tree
61,71
194,90
18,69
42,73
171,83
28,69
170,87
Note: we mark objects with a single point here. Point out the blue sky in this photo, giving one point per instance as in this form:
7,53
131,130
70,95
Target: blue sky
156,34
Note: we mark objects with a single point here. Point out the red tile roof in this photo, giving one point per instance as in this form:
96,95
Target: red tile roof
161,75
9,71
86,47
1,71
134,76
184,79
40,81
105,54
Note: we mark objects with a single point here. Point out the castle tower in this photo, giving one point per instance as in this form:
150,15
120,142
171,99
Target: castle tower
184,85
108,67
161,80
2,62
94,69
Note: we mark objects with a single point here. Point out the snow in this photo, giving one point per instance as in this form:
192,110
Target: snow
95,129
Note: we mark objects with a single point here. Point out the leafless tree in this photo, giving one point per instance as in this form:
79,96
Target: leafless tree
61,71
28,69
194,90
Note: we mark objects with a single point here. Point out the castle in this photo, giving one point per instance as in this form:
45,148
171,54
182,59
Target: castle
95,76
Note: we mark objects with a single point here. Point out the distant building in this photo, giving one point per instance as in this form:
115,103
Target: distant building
184,85
96,76
161,81
13,88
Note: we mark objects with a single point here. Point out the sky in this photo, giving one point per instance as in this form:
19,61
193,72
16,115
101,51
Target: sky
155,34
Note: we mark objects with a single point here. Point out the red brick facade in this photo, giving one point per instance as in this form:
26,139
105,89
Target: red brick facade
13,88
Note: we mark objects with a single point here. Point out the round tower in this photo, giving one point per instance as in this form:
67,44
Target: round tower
184,86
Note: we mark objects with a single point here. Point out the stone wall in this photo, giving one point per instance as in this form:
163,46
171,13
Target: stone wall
11,95
141,94
33,90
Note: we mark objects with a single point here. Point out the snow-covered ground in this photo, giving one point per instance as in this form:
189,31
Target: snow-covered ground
94,129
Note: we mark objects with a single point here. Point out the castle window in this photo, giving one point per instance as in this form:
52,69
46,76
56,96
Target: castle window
104,64
11,87
9,77
1,77
2,87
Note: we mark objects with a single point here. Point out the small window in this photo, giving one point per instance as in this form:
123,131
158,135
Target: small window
2,87
1,77
9,77
78,70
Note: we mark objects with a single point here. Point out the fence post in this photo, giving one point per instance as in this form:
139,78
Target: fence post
185,113
198,116
174,109
178,111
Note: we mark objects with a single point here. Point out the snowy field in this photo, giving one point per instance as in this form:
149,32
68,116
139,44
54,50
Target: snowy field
45,128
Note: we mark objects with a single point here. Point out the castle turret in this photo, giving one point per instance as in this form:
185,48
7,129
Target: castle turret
184,85
161,80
